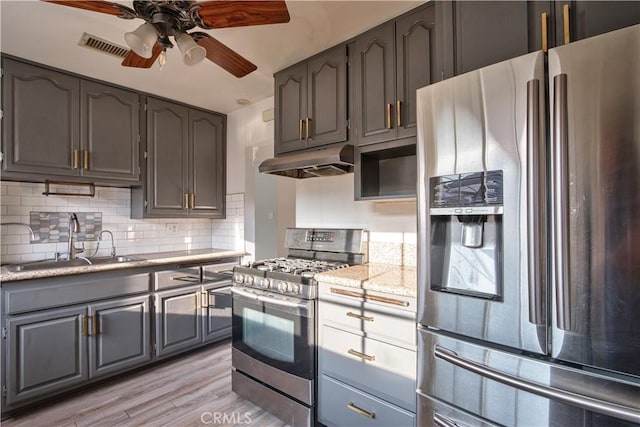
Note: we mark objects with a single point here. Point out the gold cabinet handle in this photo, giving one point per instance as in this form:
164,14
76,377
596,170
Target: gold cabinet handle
389,107
354,408
543,24
565,17
76,159
307,124
204,299
186,200
300,124
85,325
360,317
186,278
85,165
361,355
94,324
192,204
398,113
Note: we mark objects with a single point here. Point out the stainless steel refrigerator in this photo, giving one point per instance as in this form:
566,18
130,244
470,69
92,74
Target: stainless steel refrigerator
529,240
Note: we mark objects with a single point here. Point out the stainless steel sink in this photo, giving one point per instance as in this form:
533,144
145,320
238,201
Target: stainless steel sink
77,262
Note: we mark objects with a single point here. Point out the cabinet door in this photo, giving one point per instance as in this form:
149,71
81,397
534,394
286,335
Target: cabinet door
217,313
415,65
207,164
167,164
327,98
41,129
475,34
47,353
120,335
375,85
178,323
290,108
590,18
109,123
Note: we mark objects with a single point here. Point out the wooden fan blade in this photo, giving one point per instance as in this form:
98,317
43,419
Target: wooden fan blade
135,60
97,6
224,56
224,14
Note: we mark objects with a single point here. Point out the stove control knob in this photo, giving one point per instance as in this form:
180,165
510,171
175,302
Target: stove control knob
282,287
238,278
264,283
248,280
293,288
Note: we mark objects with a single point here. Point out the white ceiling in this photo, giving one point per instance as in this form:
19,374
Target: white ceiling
49,34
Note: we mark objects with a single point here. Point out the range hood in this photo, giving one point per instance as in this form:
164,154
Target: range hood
310,164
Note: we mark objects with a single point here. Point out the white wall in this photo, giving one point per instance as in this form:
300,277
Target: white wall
329,202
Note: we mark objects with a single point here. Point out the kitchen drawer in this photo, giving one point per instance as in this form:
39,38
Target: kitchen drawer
372,320
178,277
212,272
342,405
377,367
42,294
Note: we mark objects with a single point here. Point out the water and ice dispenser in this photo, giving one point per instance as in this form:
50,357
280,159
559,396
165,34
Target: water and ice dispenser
466,253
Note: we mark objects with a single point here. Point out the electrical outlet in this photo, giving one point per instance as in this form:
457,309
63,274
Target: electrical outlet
172,228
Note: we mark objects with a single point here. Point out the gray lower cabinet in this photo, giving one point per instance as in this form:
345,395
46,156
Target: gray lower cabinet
190,316
53,350
61,125
178,323
46,353
217,313
120,335
366,358
185,163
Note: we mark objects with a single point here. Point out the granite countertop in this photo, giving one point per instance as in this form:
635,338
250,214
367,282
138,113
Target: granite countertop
142,260
390,279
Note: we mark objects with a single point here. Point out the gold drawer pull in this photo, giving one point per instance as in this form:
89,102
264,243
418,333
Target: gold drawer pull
186,278
85,165
307,123
389,107
76,155
354,408
399,113
543,23
361,355
565,19
366,297
358,316
300,124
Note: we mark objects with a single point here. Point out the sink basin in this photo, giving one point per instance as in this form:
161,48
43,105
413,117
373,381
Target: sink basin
78,262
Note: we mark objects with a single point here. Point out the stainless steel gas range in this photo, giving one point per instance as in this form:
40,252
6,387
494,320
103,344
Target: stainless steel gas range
274,320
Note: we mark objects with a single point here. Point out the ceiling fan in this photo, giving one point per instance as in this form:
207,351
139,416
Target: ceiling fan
173,18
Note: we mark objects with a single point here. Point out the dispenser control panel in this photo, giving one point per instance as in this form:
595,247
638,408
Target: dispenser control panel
468,192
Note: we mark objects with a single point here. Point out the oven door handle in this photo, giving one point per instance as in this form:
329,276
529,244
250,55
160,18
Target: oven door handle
270,300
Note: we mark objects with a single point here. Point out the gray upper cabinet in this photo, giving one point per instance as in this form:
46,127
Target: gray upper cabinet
474,34
185,165
61,125
41,132
110,134
389,63
311,102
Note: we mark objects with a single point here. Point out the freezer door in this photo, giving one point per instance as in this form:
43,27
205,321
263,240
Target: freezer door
490,120
595,113
507,389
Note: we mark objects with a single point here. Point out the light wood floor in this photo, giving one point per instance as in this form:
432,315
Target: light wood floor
176,393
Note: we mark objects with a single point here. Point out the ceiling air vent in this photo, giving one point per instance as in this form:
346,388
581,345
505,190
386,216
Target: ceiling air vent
93,42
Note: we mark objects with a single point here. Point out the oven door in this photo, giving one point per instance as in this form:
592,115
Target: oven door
276,330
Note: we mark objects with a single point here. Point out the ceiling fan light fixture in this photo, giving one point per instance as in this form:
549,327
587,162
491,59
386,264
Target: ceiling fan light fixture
142,40
192,53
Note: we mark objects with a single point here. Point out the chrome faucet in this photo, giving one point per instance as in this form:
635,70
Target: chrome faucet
74,227
113,246
20,224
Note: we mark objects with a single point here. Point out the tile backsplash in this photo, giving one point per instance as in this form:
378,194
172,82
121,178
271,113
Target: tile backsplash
20,201
53,227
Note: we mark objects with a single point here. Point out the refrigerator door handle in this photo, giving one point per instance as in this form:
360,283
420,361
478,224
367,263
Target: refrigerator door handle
569,398
535,205
561,202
